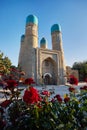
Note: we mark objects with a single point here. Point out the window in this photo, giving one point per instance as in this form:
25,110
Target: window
46,63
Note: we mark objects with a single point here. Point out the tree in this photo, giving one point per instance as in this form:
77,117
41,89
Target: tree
82,69
5,64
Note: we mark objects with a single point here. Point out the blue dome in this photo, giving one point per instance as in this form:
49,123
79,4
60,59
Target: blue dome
31,19
22,38
55,27
43,41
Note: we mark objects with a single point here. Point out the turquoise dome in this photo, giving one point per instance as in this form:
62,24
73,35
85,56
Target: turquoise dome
43,41
22,38
55,27
32,19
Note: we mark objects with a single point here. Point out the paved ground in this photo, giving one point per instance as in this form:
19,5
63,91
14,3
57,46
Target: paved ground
61,89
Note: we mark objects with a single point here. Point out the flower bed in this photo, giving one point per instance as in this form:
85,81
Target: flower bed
36,110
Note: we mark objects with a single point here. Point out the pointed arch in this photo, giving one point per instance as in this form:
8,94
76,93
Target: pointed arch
49,68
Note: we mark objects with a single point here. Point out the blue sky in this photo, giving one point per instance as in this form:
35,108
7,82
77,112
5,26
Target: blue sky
70,14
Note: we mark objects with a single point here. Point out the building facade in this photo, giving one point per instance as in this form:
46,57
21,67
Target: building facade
44,65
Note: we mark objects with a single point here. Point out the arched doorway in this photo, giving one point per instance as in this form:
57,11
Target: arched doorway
47,78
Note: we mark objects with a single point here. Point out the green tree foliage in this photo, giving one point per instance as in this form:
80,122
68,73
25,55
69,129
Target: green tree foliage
82,69
5,64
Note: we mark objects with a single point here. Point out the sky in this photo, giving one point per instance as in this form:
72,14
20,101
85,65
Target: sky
70,14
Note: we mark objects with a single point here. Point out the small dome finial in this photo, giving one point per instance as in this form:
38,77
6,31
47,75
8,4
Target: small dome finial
55,27
32,19
43,43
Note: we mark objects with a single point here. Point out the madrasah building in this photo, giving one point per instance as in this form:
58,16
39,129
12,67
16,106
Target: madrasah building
43,64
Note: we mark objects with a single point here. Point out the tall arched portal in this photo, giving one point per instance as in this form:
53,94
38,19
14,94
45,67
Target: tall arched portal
49,68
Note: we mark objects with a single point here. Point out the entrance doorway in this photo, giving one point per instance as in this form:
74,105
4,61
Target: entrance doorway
47,79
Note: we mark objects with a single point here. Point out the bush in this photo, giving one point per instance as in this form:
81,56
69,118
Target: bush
43,113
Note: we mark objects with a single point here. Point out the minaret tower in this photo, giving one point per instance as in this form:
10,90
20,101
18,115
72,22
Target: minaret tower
56,37
43,43
57,45
31,32
29,42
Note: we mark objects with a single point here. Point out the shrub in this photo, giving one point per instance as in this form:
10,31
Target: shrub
37,111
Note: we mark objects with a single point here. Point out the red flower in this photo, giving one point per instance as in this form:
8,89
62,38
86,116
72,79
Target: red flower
11,83
73,80
5,103
31,96
39,105
58,98
71,89
83,88
85,79
52,100
66,99
45,92
29,81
